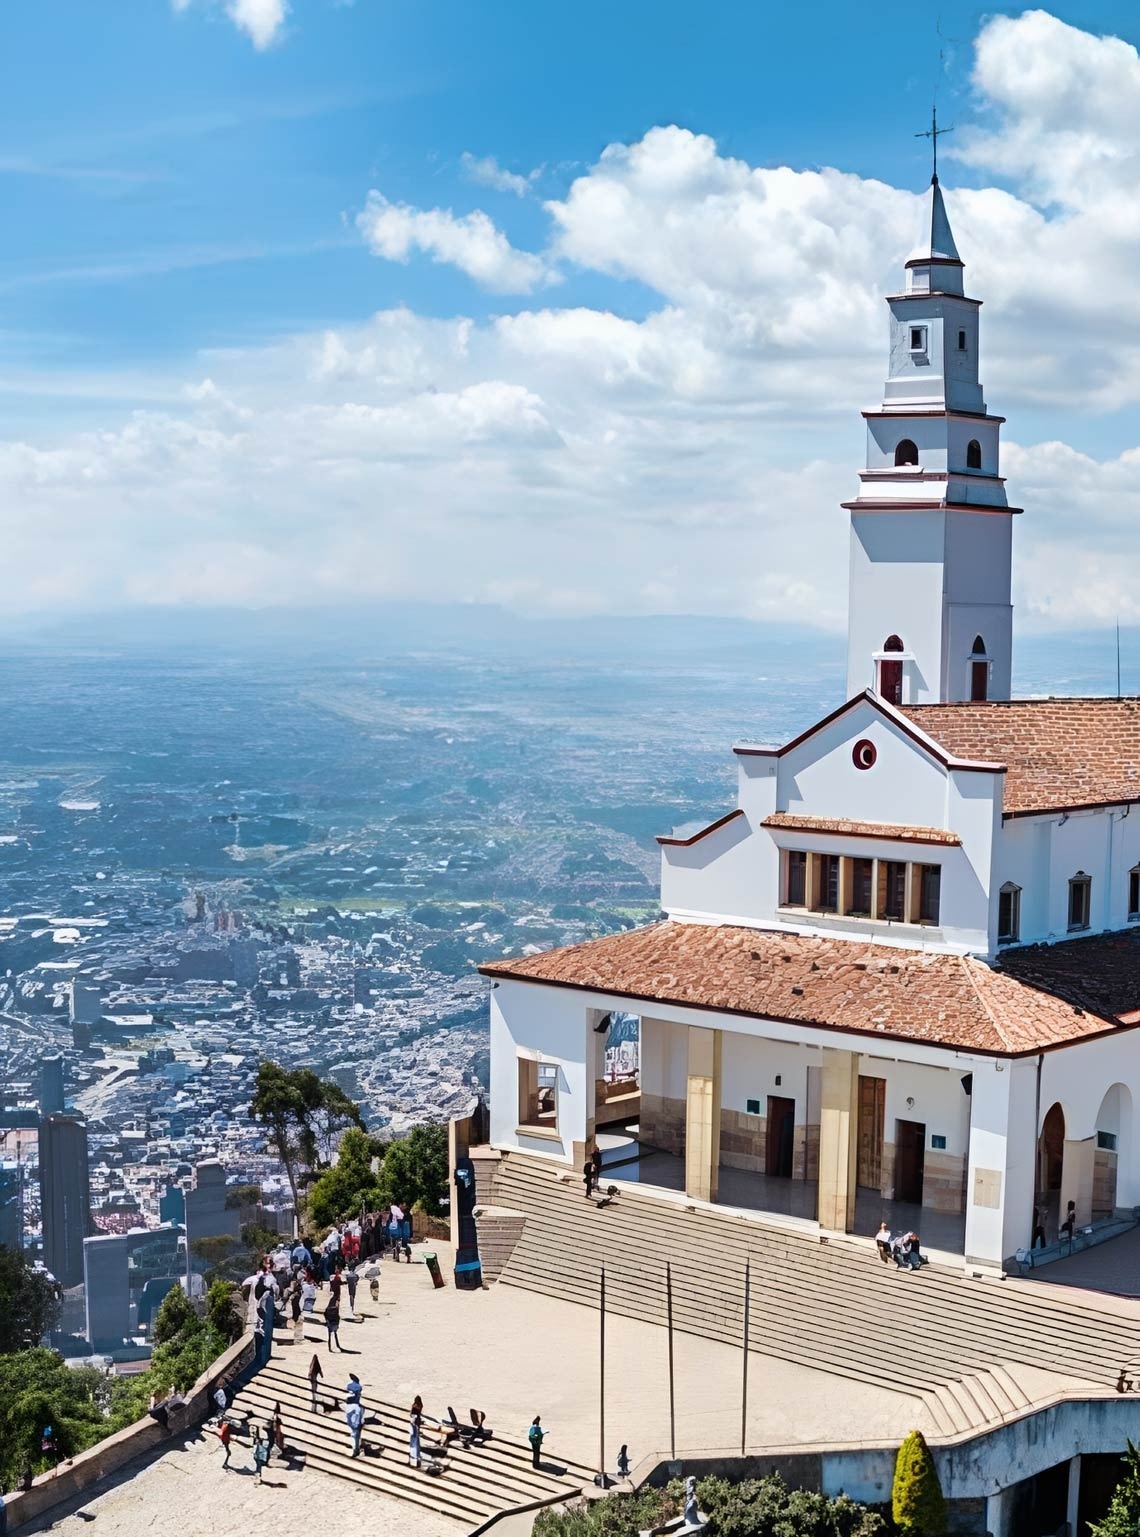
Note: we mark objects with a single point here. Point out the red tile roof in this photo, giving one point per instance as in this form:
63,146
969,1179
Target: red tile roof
1059,753
897,832
1036,999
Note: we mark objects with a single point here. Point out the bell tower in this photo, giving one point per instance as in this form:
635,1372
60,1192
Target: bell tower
930,619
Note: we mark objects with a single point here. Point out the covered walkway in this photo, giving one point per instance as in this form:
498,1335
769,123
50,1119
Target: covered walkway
625,1158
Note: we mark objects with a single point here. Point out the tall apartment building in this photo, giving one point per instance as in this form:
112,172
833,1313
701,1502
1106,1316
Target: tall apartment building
65,1195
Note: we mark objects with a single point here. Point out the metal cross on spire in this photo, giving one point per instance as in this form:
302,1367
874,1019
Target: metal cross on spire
934,133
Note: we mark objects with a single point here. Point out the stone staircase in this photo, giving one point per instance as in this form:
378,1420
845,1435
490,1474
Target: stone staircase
475,1484
952,1342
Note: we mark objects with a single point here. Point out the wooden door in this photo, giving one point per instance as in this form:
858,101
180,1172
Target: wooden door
779,1136
872,1117
910,1156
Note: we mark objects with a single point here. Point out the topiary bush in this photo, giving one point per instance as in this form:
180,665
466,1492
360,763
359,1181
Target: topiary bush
917,1502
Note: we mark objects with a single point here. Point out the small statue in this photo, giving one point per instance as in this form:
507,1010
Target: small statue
692,1514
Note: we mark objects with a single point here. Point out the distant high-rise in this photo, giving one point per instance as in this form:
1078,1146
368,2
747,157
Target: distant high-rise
51,1086
106,1291
10,1205
65,1195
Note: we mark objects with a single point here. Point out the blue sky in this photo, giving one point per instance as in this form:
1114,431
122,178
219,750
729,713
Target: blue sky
169,186
541,306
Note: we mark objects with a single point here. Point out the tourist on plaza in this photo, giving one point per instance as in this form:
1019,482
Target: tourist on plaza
225,1435
315,1372
296,1314
353,1388
415,1426
336,1282
350,1244
354,1419
1070,1221
588,1177
623,1462
221,1402
534,1435
374,1285
907,1252
308,1293
367,1235
332,1323
351,1281
266,1317
260,1452
277,1429
406,1235
395,1222
596,1160
883,1242
1039,1216
301,1255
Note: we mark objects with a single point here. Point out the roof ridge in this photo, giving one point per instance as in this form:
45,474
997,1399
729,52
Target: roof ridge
982,999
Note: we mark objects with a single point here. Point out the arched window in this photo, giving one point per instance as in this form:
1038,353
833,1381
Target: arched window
973,455
906,452
891,672
979,672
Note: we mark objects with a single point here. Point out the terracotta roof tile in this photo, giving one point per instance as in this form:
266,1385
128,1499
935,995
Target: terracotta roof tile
841,984
899,832
1058,752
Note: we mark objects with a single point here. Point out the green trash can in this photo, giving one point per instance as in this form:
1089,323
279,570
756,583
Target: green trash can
434,1271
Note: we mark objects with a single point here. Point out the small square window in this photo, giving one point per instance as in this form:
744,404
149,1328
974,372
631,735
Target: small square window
752,1106
961,341
918,338
937,1143
1106,1141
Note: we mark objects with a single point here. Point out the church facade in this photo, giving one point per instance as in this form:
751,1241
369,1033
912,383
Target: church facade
900,976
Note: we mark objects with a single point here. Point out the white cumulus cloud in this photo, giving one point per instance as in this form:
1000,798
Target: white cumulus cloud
686,456
471,242
262,21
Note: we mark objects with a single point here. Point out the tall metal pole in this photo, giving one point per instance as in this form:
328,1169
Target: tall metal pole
602,1382
669,1324
744,1378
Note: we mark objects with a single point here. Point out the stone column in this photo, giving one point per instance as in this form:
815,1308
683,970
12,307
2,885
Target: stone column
838,1135
702,1114
1077,1179
1074,1506
998,1513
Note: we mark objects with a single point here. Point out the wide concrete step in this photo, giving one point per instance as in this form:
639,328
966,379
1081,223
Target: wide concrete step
473,1483
936,1334
988,1311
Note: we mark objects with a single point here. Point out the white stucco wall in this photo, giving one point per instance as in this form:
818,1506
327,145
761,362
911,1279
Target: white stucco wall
1041,855
552,1024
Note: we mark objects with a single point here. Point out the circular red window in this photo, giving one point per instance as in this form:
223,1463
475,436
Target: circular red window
863,754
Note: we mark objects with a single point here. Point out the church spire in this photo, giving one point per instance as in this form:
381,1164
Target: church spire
942,247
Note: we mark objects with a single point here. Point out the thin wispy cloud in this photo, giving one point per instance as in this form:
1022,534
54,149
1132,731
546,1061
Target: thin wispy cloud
485,171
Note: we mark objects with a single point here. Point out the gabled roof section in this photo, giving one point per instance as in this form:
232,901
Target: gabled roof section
1060,754
897,717
1048,997
894,832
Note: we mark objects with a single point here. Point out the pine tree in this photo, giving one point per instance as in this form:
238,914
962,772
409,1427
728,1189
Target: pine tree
916,1496
1123,1518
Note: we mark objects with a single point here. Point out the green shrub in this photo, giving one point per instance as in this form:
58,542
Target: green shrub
1123,1516
916,1496
752,1507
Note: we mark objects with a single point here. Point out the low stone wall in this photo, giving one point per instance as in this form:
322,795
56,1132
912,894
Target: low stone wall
98,1462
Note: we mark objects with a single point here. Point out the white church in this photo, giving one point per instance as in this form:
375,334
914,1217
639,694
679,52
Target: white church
900,976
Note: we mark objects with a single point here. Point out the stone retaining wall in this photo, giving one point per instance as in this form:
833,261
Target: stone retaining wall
663,1123
79,1473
